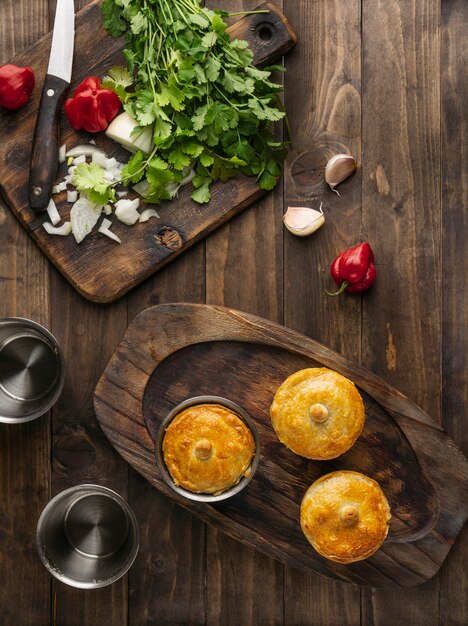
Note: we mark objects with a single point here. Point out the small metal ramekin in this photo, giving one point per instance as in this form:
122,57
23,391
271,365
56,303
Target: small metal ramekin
31,370
87,536
207,497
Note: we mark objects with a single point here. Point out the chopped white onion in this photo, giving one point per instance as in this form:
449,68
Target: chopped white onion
107,209
55,189
104,229
62,153
189,175
142,187
72,196
53,213
126,211
111,164
122,194
71,170
147,214
84,150
84,215
93,142
100,158
80,159
63,230
108,176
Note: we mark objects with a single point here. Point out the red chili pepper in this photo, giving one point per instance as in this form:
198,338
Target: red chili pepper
354,269
16,85
92,107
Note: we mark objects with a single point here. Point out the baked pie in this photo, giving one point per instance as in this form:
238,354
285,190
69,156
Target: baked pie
345,516
208,448
317,413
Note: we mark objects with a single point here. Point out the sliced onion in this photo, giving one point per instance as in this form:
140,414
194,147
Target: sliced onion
79,160
126,211
84,214
142,187
104,229
72,196
53,213
63,230
87,150
107,209
62,153
100,158
147,214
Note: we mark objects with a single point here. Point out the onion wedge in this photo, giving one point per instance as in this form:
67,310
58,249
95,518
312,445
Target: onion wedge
63,230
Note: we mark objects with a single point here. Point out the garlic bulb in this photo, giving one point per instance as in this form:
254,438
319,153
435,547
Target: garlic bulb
302,221
338,168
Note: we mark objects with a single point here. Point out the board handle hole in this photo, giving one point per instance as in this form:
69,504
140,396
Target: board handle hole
266,32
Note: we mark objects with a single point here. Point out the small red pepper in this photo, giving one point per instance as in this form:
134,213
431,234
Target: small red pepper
92,107
16,85
354,269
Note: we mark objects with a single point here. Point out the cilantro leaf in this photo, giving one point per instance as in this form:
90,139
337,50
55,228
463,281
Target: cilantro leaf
118,79
112,18
89,178
212,68
178,158
202,194
133,171
209,39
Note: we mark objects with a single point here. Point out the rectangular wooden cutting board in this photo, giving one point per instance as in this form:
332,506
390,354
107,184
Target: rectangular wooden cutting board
98,268
177,351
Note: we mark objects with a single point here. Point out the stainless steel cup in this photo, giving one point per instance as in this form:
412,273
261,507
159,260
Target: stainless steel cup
31,370
87,536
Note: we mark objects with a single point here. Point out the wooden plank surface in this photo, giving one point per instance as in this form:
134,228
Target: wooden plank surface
25,290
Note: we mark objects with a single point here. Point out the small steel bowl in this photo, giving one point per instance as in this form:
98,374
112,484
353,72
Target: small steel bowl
87,536
207,497
31,370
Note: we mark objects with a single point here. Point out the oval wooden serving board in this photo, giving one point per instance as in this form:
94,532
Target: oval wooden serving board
172,352
145,248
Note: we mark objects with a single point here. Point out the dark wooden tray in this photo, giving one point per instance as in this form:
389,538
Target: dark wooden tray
98,268
172,352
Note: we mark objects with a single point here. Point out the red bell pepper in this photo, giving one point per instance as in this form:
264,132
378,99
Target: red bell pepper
92,107
16,85
354,269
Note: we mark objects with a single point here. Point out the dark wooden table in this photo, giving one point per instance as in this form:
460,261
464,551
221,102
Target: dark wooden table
385,79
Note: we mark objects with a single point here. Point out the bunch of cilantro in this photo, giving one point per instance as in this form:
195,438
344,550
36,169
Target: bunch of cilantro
210,109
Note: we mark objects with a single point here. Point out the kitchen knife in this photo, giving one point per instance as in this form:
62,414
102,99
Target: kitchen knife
45,150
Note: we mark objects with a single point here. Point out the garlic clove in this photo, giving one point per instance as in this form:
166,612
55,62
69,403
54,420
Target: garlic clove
338,168
303,221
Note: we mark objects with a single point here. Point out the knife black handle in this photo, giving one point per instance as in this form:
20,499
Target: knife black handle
46,143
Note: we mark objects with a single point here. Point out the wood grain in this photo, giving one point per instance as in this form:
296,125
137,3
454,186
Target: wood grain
25,448
171,352
401,182
239,248
326,119
168,585
454,198
146,247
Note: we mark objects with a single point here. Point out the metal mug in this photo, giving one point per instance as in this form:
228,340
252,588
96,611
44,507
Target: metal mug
31,370
87,536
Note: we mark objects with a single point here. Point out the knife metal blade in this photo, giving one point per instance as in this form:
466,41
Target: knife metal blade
45,151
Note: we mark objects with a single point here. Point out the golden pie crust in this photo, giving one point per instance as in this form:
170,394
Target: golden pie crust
345,516
208,448
317,413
